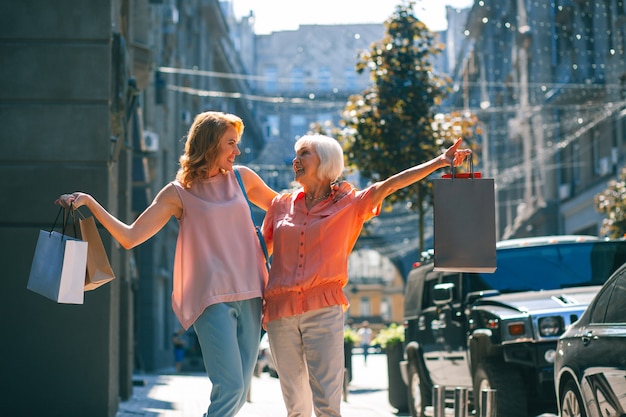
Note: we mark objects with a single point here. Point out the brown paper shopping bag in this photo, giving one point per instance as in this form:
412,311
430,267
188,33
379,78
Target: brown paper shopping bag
58,268
464,223
99,269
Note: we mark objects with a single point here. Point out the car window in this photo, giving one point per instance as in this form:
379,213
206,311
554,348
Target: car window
616,309
599,306
554,266
610,303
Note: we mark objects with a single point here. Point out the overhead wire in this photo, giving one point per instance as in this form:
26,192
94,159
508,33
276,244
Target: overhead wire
506,177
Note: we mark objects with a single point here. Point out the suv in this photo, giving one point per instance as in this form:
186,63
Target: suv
500,330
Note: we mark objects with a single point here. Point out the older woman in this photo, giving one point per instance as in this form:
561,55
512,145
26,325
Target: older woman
311,233
213,290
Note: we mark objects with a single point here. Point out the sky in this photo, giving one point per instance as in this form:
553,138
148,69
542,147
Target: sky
276,15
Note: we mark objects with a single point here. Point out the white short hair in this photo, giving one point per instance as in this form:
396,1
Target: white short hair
330,153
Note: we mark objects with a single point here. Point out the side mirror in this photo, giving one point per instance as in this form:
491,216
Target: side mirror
443,293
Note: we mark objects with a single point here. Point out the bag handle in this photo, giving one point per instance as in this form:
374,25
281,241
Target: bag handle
470,163
257,228
66,216
80,214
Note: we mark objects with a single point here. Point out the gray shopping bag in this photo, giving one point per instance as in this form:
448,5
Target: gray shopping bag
464,223
58,268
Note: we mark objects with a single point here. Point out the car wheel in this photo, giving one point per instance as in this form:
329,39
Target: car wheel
419,394
509,385
571,402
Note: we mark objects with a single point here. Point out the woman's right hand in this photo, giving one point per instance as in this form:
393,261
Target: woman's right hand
73,200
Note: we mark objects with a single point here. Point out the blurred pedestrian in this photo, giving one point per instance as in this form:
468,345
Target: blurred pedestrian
219,268
179,345
365,338
311,232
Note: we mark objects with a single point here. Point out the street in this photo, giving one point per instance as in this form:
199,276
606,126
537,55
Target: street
187,395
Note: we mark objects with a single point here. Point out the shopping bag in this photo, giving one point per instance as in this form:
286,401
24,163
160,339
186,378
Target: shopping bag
464,223
99,269
58,268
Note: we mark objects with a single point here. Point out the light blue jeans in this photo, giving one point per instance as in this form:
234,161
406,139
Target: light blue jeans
229,335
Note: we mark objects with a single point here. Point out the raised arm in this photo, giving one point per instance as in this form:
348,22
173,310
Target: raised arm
452,155
165,205
259,193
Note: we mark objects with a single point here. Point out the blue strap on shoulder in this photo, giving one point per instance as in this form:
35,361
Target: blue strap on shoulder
257,228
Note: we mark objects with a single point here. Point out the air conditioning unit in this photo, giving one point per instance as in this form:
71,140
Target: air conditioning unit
150,141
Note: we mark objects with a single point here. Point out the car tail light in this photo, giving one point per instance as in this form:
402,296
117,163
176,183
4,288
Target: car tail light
517,329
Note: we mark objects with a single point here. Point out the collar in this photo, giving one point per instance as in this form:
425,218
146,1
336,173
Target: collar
341,188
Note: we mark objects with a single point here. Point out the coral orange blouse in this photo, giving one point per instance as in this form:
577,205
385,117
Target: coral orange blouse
311,249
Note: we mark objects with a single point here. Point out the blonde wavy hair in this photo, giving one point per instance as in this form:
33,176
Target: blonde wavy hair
202,145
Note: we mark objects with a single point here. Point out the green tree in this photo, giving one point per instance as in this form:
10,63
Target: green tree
612,203
447,127
389,126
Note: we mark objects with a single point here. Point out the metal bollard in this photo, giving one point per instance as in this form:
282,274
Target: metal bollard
439,401
460,402
488,403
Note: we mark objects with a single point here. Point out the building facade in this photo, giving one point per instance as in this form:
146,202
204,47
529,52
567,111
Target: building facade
546,78
98,97
197,57
66,100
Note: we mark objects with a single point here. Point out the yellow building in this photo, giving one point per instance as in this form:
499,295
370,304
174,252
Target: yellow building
375,290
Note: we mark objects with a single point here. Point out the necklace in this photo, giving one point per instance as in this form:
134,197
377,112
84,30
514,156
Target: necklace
307,198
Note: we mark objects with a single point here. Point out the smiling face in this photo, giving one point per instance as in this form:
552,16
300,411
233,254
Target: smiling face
305,163
228,150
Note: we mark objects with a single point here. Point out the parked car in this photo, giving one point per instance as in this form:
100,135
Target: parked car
500,330
590,366
265,362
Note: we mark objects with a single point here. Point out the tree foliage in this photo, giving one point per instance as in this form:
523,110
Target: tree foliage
390,124
612,203
448,127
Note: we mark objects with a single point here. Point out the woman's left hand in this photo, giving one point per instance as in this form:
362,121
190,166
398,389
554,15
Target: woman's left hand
454,155
341,189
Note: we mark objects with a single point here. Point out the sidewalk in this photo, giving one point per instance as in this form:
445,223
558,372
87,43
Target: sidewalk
187,395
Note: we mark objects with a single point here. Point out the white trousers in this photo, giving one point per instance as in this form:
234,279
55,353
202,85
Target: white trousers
308,353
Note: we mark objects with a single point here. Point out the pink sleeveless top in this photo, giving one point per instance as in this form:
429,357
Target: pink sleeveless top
218,255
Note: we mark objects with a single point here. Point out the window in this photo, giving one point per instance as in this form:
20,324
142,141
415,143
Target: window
272,127
385,309
599,307
350,78
298,126
323,118
552,266
297,79
365,307
610,304
271,79
620,23
323,78
616,309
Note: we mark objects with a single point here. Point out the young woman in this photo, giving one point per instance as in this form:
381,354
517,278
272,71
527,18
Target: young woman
213,290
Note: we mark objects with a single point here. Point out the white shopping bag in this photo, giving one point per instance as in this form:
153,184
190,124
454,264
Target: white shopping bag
58,268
